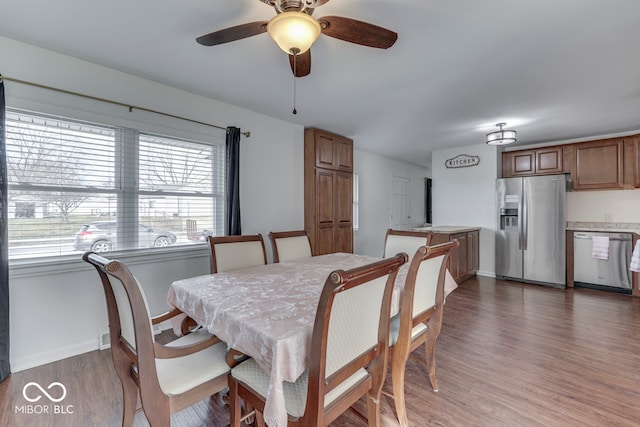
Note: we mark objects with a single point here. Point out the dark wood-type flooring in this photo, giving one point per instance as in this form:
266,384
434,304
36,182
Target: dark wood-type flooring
509,355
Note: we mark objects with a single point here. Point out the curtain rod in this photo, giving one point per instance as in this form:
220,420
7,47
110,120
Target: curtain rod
130,107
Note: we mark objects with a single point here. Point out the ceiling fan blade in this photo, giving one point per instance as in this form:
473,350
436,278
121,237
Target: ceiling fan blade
233,33
302,64
358,32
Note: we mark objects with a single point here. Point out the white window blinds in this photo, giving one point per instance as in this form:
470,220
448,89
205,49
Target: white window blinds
77,186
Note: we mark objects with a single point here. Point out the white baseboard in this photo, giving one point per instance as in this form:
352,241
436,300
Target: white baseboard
486,274
53,355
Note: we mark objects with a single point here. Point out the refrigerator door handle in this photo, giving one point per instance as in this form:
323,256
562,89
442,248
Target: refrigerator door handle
524,220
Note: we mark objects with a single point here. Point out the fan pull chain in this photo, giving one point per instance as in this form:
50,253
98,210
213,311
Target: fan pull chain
294,51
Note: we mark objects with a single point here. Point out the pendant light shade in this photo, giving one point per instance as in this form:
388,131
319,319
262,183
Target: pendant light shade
294,32
502,136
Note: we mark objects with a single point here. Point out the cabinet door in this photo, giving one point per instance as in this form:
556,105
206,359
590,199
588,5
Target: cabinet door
518,163
343,154
549,160
632,161
325,211
458,257
636,161
333,151
324,150
473,252
598,165
343,200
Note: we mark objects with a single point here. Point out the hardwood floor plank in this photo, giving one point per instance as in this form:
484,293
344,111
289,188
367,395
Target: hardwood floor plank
509,354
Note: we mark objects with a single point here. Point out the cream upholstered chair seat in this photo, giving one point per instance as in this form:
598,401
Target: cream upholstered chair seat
397,241
179,375
288,245
295,393
394,329
235,252
347,359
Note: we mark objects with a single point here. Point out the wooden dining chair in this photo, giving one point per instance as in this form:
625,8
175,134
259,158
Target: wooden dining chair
288,245
396,241
233,252
347,358
168,377
420,318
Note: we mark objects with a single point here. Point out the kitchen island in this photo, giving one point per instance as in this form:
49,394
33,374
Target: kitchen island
464,260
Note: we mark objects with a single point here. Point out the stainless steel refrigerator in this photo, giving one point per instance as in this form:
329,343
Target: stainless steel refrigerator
530,239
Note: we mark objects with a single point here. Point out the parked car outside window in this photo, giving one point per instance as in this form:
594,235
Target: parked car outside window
100,236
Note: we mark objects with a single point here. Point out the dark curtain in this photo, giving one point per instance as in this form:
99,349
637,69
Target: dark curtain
232,165
5,369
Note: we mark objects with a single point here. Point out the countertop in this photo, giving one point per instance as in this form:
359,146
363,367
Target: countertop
447,229
607,227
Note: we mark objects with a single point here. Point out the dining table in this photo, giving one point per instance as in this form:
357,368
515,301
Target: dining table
267,312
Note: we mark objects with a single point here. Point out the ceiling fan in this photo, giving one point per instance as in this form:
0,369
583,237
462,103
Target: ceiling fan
295,31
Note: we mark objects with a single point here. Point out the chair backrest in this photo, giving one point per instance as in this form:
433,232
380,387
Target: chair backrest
396,241
423,293
288,245
130,327
234,252
351,329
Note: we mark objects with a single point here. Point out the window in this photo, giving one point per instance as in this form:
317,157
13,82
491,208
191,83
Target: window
76,186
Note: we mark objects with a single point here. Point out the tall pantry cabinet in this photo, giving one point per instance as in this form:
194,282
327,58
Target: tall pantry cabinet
328,191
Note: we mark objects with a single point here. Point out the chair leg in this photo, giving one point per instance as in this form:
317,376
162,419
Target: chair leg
235,412
129,401
430,355
373,410
260,419
397,379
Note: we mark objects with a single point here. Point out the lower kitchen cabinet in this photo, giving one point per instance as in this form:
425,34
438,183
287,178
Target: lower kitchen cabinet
464,260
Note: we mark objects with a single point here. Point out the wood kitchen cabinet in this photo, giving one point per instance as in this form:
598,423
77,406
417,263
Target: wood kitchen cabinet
328,191
540,161
632,161
598,165
464,260
332,151
473,251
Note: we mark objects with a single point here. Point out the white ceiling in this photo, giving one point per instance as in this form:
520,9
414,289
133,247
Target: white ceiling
552,69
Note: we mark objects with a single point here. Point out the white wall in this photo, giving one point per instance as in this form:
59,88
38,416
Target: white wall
618,206
58,310
374,175
61,313
466,196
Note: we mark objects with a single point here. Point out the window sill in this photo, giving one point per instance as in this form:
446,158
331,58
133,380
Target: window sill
67,264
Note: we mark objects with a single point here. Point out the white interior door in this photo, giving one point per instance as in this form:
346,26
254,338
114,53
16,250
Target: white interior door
399,203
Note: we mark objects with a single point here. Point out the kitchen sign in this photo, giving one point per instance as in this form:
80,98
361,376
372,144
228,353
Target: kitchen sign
462,161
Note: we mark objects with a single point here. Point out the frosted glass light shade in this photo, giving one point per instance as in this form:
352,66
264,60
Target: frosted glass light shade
501,137
294,31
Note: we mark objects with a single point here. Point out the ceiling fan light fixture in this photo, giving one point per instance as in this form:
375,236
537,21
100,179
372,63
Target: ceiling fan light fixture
294,32
502,136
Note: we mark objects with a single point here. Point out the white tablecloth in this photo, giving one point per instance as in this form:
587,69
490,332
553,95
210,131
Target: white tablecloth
267,312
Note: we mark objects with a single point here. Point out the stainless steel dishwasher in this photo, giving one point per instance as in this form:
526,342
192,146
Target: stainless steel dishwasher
612,274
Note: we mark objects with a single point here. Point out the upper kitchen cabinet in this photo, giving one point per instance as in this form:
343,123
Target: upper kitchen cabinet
598,165
632,161
332,151
541,161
